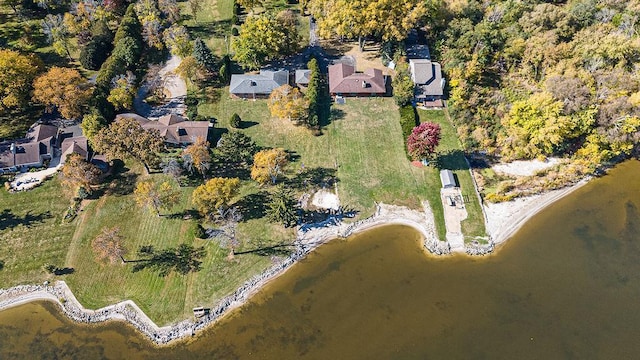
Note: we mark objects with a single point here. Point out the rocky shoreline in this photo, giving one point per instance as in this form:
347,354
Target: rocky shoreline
306,242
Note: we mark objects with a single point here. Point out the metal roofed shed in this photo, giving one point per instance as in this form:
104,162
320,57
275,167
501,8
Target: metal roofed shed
447,179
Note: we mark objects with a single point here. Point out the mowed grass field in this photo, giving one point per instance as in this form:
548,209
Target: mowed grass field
363,142
453,159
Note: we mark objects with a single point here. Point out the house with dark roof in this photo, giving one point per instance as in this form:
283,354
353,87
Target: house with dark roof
175,129
77,145
427,75
31,151
254,86
345,81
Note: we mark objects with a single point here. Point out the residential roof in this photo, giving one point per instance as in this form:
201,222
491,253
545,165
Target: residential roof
41,132
78,145
173,128
343,79
262,84
25,153
427,75
303,76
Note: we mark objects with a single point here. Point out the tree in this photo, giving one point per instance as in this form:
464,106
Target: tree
423,140
215,194
91,124
287,102
63,89
78,173
236,147
225,69
402,84
389,19
203,55
264,38
196,157
125,138
282,208
108,245
268,165
94,54
249,4
123,92
172,167
189,69
235,121
195,6
58,34
314,92
156,196
17,73
177,40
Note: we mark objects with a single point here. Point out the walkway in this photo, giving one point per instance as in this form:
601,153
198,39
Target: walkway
454,212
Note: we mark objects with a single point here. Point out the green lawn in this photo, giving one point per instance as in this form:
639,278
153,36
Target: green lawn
32,233
363,140
452,157
163,299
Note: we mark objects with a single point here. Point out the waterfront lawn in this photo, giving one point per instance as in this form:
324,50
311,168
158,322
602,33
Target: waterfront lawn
32,233
363,139
451,156
163,299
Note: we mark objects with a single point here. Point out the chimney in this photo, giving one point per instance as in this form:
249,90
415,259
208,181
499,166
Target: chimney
364,84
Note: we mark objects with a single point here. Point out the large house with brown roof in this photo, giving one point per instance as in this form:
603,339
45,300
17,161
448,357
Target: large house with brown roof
32,151
175,129
345,81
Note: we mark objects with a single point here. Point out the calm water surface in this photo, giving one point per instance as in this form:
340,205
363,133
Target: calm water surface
566,287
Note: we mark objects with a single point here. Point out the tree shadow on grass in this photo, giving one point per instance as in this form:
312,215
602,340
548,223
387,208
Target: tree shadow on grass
275,250
451,160
313,177
9,220
122,182
253,206
219,29
232,170
184,259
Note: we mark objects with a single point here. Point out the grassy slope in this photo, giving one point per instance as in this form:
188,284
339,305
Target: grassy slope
363,140
474,224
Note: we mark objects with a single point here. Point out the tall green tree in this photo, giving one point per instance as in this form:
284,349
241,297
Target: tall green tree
282,208
236,147
264,38
203,55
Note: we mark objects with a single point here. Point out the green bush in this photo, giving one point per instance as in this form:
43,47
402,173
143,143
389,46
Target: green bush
234,31
235,121
235,20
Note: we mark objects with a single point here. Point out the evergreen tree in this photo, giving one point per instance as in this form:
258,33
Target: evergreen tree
203,55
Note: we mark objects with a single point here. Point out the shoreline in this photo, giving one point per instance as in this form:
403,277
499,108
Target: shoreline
505,219
499,228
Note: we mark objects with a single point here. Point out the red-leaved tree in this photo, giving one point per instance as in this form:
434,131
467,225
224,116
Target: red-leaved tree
423,140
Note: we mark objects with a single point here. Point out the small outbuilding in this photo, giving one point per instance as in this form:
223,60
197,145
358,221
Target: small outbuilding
447,179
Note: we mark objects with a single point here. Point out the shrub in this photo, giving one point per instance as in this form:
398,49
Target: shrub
235,20
199,232
408,120
94,54
235,121
234,31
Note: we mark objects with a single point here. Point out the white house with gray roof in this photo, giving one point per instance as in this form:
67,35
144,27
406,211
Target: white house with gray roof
427,75
253,86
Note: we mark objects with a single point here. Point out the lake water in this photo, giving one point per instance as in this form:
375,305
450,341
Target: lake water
566,287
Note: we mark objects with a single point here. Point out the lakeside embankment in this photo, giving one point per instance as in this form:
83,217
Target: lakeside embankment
500,226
